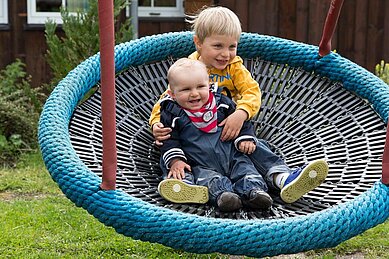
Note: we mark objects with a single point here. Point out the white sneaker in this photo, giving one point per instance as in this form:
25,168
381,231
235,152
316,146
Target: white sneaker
303,180
179,192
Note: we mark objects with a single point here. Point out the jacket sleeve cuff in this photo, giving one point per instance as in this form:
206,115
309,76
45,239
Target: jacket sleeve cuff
171,154
244,138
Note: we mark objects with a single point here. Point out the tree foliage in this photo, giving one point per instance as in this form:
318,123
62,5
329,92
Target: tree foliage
20,106
81,37
382,71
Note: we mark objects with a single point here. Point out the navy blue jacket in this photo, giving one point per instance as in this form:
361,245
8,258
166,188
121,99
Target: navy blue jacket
198,148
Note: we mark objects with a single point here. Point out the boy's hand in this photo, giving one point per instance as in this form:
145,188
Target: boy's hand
247,147
232,125
177,169
160,133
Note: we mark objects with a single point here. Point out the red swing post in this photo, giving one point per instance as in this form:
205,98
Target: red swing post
325,49
329,27
108,101
385,159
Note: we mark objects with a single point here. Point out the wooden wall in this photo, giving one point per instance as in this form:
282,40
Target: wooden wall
362,34
25,43
152,26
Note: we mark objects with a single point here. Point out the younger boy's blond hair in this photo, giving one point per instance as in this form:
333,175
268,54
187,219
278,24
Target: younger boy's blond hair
184,65
216,20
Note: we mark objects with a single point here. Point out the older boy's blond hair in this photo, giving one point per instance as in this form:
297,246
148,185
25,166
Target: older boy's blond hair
185,64
216,20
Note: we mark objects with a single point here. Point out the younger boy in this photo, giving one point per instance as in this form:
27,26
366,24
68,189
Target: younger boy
197,164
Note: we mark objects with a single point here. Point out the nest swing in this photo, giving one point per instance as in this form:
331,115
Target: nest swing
313,107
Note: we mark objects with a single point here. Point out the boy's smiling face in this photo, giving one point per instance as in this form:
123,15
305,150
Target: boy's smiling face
216,51
190,87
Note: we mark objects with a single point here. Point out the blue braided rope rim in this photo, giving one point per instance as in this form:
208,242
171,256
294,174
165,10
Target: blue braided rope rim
140,220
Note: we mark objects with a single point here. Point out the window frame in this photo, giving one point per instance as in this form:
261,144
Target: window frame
4,12
177,11
35,17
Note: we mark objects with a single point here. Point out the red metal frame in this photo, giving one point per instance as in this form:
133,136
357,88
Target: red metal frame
329,27
108,102
385,159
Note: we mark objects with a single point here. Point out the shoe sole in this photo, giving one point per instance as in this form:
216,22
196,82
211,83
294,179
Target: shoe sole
310,178
179,192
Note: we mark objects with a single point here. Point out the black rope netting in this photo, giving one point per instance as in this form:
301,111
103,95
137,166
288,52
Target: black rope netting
303,116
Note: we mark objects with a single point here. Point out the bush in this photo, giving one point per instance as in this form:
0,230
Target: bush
20,106
382,71
81,38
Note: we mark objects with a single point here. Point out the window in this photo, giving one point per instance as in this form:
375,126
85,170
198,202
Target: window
39,11
160,8
3,11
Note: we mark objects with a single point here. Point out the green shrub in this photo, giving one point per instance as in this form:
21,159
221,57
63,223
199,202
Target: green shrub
19,111
382,71
81,38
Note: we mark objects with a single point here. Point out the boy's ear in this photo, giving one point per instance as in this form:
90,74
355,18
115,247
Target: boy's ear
197,42
170,92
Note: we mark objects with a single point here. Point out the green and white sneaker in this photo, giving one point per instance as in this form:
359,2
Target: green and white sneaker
180,192
303,180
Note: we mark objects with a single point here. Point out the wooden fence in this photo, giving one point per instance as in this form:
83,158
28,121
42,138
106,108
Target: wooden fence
362,33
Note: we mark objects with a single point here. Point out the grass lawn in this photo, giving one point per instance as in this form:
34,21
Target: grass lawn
37,221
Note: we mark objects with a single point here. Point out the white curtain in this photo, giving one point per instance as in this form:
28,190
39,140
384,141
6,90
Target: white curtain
75,5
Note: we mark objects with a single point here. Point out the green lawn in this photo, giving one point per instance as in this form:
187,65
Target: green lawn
37,221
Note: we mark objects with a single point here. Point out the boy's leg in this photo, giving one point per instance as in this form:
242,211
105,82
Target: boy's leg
216,182
248,183
220,188
268,164
278,176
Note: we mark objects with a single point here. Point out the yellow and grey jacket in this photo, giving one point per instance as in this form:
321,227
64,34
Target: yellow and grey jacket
237,79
